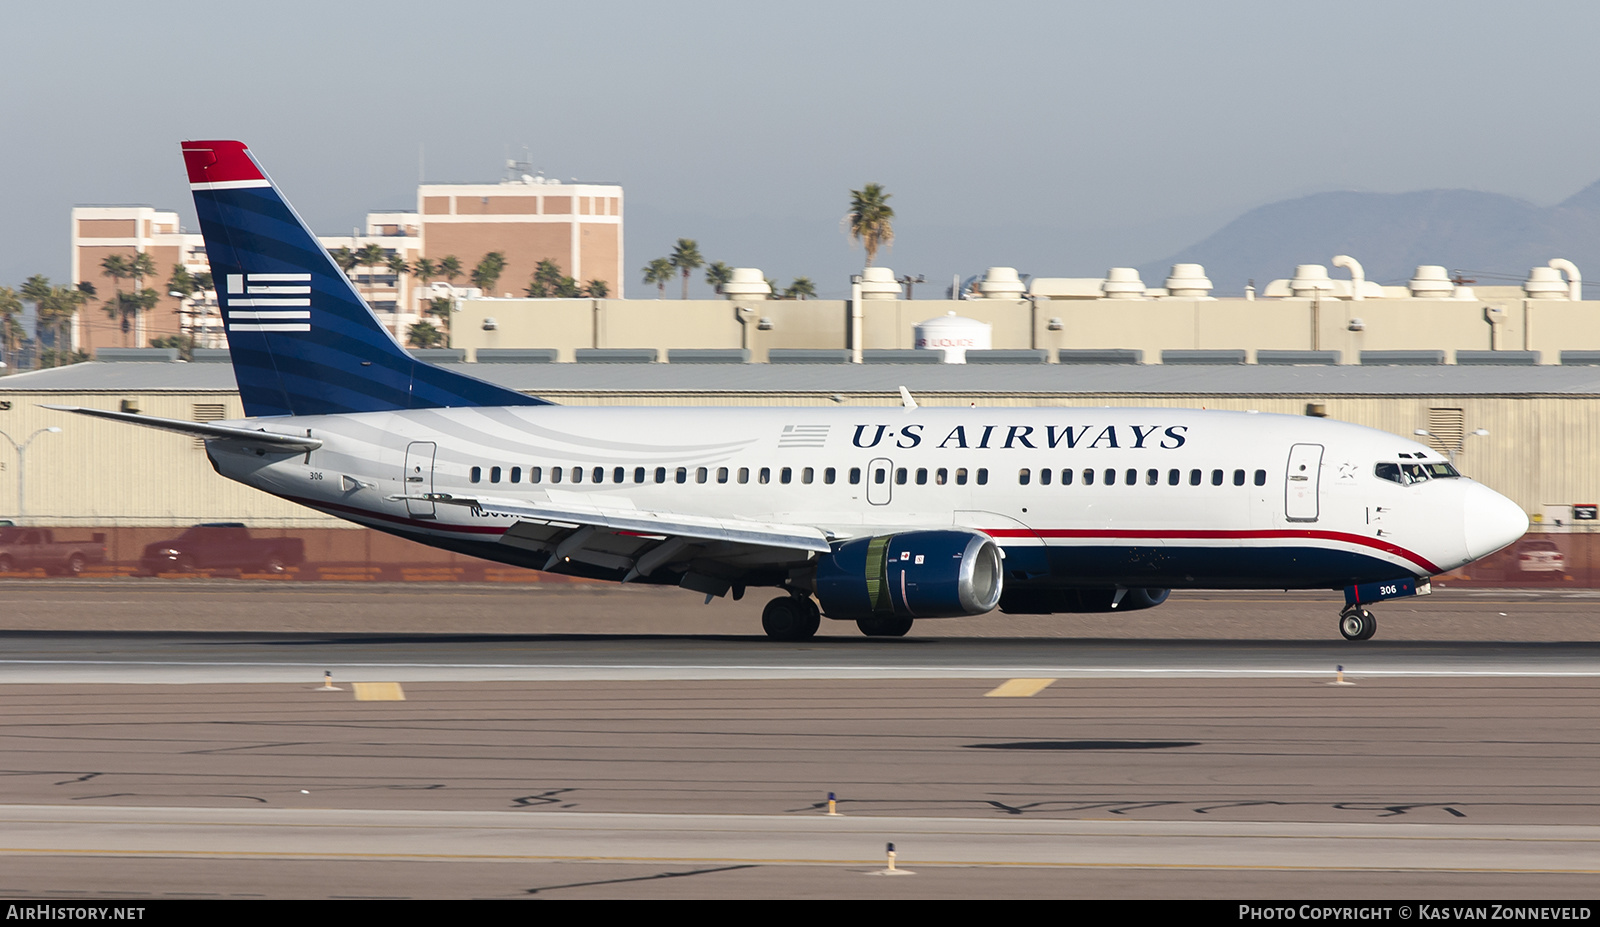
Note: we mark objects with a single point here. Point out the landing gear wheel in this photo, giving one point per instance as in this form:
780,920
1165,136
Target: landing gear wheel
884,627
1358,624
790,618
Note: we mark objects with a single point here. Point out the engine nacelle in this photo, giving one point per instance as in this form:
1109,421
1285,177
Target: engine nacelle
1052,601
918,574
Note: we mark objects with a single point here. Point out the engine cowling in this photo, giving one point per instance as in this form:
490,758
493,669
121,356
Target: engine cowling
1053,601
918,574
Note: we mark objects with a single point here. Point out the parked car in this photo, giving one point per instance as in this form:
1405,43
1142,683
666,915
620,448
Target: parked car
35,548
222,546
1539,555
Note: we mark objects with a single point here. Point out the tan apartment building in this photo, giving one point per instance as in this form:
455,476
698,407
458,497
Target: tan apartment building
528,220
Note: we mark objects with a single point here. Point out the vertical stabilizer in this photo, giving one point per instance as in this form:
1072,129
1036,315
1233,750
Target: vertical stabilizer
303,340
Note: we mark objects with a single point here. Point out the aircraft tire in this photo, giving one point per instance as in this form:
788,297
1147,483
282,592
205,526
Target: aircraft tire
884,627
787,618
1358,625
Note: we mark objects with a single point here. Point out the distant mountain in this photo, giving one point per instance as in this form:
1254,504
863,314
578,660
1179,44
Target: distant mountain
1391,233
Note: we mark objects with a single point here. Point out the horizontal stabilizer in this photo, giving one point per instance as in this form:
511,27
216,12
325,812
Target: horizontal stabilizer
200,429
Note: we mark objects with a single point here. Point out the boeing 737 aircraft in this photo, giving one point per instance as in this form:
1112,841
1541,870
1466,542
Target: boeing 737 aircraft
879,516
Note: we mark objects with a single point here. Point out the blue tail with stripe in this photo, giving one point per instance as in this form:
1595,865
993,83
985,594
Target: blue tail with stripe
303,340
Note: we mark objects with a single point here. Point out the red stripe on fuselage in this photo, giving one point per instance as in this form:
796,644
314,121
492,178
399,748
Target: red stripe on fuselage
1206,535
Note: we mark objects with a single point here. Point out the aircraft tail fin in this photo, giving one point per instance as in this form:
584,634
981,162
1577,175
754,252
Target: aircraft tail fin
303,340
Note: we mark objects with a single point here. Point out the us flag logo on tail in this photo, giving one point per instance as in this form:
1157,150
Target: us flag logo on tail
269,302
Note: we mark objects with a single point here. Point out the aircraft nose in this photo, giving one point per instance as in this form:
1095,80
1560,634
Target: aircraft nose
1491,521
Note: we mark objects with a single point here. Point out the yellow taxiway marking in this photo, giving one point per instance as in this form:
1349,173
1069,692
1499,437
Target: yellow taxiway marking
379,692
1018,688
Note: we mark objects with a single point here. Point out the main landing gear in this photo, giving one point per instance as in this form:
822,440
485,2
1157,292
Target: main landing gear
791,618
1357,624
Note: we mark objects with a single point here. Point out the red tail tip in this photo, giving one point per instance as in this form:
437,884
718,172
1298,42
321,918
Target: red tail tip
219,162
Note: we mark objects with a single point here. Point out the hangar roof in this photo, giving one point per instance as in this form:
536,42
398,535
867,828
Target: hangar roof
931,378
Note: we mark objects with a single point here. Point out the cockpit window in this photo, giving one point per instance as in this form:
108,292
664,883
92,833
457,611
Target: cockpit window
1415,472
1440,471
1388,471
1408,473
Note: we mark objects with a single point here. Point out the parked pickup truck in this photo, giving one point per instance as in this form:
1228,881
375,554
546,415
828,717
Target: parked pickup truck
35,548
222,546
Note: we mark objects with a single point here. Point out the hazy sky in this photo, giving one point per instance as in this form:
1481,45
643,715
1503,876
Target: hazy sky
1056,137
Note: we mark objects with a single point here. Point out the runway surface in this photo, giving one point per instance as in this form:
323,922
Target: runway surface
560,763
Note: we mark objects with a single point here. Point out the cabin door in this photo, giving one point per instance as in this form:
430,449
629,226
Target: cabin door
419,478
880,481
1302,488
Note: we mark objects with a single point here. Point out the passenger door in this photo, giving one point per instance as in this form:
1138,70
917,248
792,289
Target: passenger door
880,481
418,478
1302,486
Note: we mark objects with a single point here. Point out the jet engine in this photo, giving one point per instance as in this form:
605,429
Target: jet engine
1051,601
918,574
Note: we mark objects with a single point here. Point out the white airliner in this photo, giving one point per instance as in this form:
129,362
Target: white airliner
882,516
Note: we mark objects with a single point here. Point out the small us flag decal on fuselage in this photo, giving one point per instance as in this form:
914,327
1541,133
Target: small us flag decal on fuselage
269,302
803,436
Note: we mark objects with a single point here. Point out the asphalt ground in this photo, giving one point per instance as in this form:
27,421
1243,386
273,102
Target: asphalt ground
652,747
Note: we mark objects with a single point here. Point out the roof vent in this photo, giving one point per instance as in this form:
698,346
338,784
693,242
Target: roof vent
747,283
1431,281
1001,283
1310,280
954,335
1122,283
1189,281
1545,283
879,283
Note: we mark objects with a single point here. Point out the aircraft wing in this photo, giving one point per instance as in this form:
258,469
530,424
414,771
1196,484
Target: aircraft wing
641,541
199,429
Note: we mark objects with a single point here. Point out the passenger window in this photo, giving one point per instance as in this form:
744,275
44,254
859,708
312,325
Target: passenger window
922,476
1216,477
722,474
785,475
701,474
961,476
855,475
1388,471
765,476
599,475
807,474
661,474
1111,477
638,474
1131,477
477,474
1238,477
744,474
1194,477
1152,477
577,474
1066,477
983,476
941,476
1044,476
683,474
516,474
1022,477
1261,477
900,476
829,475
1088,476
555,474
535,474
1174,477
880,475
619,475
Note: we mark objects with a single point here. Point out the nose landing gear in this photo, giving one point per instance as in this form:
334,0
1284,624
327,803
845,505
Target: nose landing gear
1357,624
791,618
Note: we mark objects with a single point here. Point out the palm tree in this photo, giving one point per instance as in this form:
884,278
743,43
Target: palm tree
450,269
658,271
11,332
546,280
372,255
346,259
55,306
718,273
488,271
597,289
801,288
424,335
871,219
686,258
